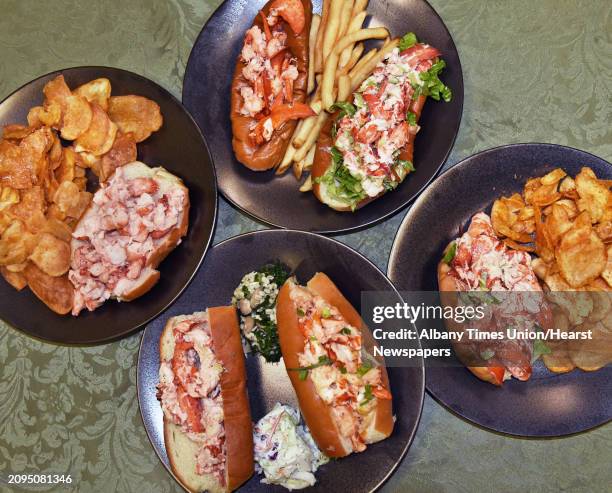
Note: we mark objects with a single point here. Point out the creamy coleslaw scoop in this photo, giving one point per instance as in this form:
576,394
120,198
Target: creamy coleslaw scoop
285,452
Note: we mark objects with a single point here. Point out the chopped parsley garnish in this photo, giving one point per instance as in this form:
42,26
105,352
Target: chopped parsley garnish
303,370
326,312
359,101
408,40
367,396
450,253
300,312
343,370
433,86
364,368
411,118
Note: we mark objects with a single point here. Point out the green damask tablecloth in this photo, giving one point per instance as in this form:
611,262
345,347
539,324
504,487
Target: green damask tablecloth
534,71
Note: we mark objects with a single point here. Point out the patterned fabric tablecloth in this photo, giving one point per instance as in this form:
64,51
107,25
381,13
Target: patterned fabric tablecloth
534,71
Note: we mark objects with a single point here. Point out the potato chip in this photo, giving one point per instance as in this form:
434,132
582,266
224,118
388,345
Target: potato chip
57,228
70,200
100,136
57,90
135,114
567,188
65,172
595,353
581,255
553,177
15,279
50,115
8,197
601,303
55,292
123,152
96,91
15,244
607,272
576,305
78,116
16,132
558,361
558,223
51,255
518,246
545,195
594,196
539,267
604,231
14,171
502,218
544,245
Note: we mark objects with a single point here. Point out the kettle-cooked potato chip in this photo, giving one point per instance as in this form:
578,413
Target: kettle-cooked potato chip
135,114
51,255
96,91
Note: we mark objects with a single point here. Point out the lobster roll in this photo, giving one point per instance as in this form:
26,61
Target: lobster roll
203,395
342,389
270,83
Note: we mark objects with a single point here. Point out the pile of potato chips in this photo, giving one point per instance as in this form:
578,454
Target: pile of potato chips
43,181
567,223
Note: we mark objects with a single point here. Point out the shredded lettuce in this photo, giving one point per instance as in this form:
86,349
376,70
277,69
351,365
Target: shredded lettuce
433,86
408,40
340,183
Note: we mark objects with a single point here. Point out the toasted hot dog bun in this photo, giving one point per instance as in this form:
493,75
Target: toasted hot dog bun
269,154
316,412
149,275
449,297
323,161
182,451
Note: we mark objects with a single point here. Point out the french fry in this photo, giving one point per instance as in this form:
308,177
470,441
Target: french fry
312,137
365,59
307,185
355,25
345,18
344,87
364,72
331,29
314,31
299,137
354,57
298,168
289,153
359,6
331,64
320,36
309,159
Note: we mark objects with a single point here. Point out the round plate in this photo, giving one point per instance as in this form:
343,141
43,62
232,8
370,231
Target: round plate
180,148
547,404
305,254
277,200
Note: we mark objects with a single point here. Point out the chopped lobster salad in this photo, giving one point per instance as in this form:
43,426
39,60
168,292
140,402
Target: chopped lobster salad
189,390
271,69
502,280
334,360
128,219
285,451
379,121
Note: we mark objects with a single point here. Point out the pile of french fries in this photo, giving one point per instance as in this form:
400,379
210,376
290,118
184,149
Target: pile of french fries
337,67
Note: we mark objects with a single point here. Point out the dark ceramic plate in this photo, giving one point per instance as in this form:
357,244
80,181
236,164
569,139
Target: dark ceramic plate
547,404
180,148
305,254
276,200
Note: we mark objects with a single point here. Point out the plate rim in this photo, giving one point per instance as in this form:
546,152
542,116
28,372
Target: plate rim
392,260
421,375
141,325
387,215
